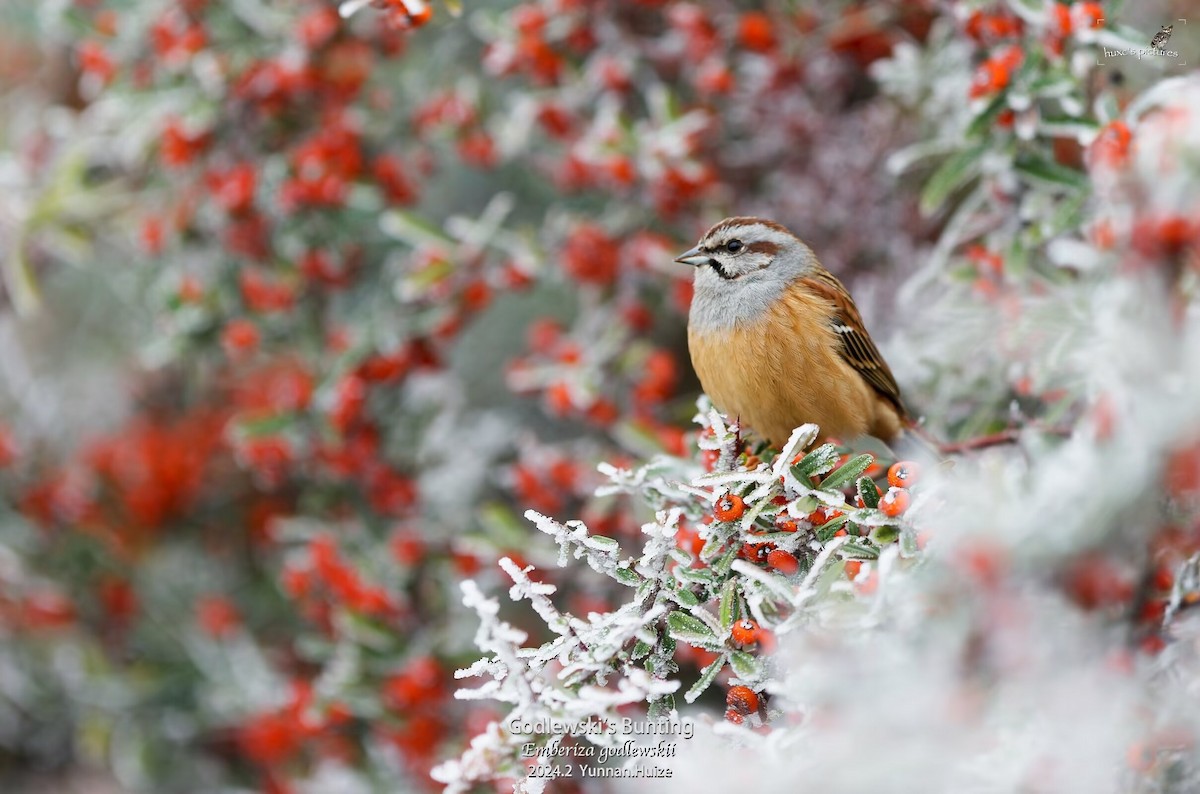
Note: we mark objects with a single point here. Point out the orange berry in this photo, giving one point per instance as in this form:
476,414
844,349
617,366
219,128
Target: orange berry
756,32
895,502
741,700
755,552
783,561
852,568
823,515
745,632
729,507
904,474
1140,756
735,717
689,540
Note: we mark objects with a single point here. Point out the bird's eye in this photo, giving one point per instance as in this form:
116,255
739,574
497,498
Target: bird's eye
733,246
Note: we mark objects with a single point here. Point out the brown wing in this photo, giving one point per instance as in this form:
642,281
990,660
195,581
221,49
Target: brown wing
858,349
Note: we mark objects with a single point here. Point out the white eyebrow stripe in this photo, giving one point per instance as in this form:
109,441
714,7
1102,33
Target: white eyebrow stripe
759,231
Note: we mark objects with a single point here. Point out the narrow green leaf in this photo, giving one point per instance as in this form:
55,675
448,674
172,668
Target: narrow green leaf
957,171
859,551
727,599
687,597
627,577
830,528
1046,172
1081,129
604,543
698,575
819,461
705,681
723,563
683,625
848,473
868,492
711,547
986,117
746,665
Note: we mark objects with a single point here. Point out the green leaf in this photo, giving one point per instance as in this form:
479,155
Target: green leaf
848,473
728,593
640,649
708,675
711,546
627,577
1046,172
662,707
983,122
746,665
1052,86
698,575
868,492
722,564
830,528
1068,127
957,171
760,538
885,534
819,461
687,597
604,543
689,629
859,551
806,504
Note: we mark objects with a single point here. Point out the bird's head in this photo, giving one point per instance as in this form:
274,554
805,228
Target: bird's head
743,265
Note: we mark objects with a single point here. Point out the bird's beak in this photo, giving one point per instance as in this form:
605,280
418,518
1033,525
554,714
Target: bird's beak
695,257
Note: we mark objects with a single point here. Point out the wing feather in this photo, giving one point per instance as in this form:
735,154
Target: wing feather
858,349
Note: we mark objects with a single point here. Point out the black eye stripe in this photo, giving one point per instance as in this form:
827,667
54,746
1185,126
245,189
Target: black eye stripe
721,271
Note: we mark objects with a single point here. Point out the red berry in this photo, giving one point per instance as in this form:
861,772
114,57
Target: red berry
895,502
903,474
852,568
783,561
1164,578
745,632
689,540
729,507
823,515
755,552
741,700
734,717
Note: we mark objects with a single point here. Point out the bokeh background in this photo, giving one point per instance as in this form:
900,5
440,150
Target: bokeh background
301,311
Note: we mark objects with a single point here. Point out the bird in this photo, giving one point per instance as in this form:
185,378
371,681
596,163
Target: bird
1160,38
777,341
